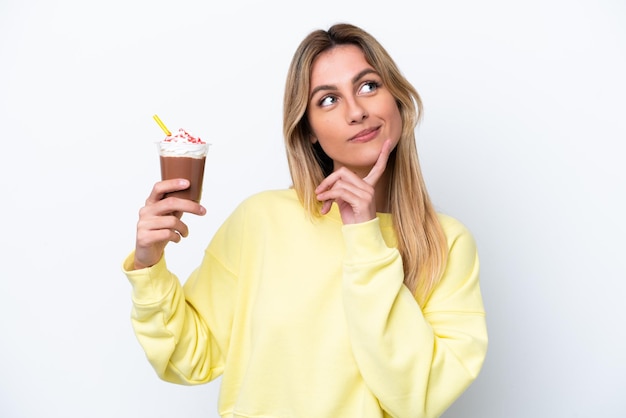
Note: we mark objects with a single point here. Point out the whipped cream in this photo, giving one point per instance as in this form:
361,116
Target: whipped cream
183,144
184,136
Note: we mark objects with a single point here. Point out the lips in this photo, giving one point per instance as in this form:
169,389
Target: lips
365,135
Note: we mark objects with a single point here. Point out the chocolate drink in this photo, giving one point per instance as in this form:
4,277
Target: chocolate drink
188,168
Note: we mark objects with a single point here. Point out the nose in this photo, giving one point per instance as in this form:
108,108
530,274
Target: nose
355,112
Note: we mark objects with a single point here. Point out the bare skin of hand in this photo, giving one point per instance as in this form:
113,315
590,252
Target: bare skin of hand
160,221
354,196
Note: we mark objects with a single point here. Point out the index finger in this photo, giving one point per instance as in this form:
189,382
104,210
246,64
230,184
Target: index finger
165,186
381,163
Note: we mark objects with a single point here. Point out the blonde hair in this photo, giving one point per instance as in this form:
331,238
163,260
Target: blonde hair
420,238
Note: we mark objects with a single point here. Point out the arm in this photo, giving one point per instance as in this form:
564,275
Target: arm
184,333
416,361
184,344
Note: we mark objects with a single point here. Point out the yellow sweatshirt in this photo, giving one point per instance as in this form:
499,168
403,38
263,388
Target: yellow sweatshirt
309,318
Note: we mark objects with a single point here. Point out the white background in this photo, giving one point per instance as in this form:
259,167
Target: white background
522,140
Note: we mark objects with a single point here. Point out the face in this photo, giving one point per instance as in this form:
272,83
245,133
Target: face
350,111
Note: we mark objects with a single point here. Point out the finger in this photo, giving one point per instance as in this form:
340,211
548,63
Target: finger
165,186
336,176
171,206
381,163
327,182
326,207
347,190
157,223
177,206
149,238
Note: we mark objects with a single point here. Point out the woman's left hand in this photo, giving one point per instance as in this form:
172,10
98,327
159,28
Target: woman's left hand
354,196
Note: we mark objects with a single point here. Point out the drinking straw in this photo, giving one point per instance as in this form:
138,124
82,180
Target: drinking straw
162,125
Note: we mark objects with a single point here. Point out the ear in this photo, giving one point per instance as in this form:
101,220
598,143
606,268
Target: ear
313,139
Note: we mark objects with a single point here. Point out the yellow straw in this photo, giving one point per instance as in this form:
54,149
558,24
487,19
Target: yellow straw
162,125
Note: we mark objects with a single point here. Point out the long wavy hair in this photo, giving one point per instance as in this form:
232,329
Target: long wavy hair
420,238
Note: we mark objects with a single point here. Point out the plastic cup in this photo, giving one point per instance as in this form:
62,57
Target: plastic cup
186,161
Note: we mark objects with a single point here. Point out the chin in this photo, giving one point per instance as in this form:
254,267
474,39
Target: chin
360,164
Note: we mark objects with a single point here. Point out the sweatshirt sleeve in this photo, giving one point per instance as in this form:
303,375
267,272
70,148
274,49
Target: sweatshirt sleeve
184,330
417,361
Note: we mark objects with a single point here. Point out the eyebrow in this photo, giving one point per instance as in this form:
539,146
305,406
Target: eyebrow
333,87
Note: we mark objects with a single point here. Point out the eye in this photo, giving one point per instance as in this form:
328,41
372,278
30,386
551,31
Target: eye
369,87
327,101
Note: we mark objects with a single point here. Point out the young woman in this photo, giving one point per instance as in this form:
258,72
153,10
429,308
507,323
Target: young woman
345,295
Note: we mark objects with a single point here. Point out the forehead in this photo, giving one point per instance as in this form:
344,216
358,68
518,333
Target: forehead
338,65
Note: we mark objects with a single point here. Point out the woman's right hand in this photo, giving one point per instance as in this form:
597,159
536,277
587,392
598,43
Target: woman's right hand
160,221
